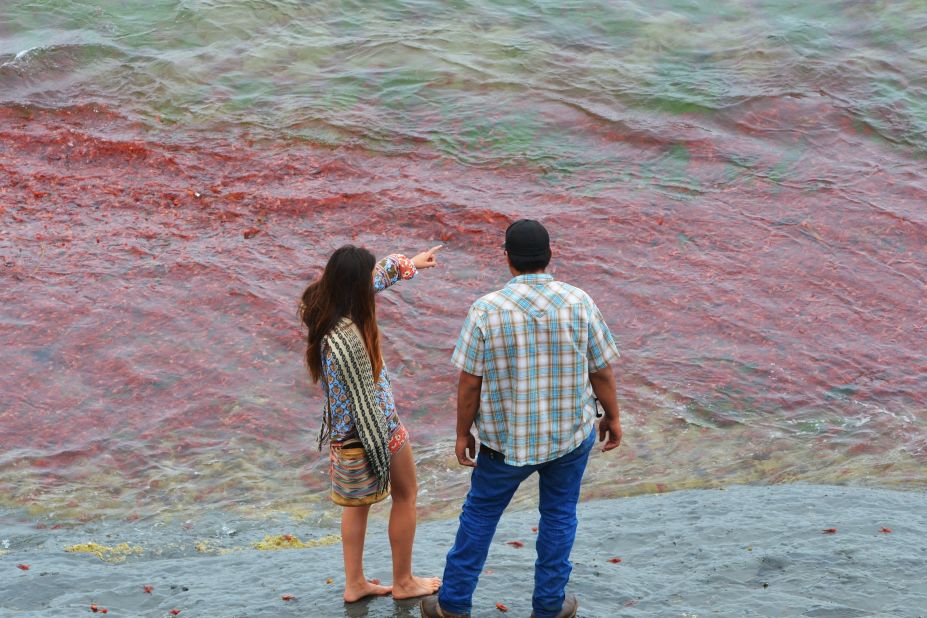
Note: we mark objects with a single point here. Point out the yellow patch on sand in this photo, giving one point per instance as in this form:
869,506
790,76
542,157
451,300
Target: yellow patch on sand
4,552
210,547
288,541
105,553
205,547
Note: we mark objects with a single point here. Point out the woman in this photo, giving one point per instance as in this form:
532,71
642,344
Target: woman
343,353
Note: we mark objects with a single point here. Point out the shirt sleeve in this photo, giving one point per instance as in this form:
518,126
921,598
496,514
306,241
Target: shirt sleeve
601,349
392,269
468,353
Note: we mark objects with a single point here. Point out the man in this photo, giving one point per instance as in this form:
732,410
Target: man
533,358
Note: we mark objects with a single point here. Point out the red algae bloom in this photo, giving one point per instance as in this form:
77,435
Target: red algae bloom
517,544
501,607
829,531
614,560
22,567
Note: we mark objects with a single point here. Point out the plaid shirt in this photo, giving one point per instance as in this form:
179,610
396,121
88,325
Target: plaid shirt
534,342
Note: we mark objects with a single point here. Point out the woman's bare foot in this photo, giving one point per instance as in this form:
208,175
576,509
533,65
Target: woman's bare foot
356,592
416,587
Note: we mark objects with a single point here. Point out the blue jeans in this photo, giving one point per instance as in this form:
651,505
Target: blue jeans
492,486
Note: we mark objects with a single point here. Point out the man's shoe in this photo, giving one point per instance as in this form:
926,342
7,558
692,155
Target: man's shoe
432,609
570,605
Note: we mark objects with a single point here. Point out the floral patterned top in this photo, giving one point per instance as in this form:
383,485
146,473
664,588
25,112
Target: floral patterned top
387,272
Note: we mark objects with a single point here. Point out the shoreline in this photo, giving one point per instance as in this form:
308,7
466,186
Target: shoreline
738,551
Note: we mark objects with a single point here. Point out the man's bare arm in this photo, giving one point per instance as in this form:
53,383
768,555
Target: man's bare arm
606,391
468,404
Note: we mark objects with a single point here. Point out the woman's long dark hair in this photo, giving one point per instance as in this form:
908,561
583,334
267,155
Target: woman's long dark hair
344,290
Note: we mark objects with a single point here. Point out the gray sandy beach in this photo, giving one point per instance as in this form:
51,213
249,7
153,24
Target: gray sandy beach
740,551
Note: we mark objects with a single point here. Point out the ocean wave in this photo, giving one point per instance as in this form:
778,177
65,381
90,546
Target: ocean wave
396,84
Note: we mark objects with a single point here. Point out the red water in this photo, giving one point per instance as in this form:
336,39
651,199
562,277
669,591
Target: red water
150,280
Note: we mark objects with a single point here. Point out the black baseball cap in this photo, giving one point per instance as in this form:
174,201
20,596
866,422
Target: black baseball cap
527,238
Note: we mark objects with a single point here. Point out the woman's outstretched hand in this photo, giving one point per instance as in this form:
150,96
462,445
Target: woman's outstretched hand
426,259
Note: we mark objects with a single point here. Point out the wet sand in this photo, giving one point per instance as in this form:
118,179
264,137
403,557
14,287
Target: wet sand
740,551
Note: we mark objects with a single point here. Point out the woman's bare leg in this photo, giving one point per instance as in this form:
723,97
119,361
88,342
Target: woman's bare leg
402,520
353,532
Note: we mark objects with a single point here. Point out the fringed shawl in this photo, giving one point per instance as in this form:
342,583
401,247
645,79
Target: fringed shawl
351,357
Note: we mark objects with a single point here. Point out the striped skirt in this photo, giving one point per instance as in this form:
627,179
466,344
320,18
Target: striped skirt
353,480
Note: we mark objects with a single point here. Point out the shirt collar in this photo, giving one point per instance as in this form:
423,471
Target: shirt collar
532,279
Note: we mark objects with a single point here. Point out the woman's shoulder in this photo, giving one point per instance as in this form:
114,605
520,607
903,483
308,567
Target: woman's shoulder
343,332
